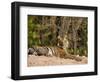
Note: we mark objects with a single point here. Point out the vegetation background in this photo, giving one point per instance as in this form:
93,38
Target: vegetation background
59,31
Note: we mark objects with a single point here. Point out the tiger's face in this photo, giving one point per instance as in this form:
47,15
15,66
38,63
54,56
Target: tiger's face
60,42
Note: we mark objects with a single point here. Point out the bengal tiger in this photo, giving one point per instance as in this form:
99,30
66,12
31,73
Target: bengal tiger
52,51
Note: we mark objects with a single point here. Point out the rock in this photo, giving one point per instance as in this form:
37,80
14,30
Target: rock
30,51
42,51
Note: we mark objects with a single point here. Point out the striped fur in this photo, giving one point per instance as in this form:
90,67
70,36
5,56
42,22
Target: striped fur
53,51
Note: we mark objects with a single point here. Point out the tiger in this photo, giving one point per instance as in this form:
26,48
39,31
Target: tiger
52,51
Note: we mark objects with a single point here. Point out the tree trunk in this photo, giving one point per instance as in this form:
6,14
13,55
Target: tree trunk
76,22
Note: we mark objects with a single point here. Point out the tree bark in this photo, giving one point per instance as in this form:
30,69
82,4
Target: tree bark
76,22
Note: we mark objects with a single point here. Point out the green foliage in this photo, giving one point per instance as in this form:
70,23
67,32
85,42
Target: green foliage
32,32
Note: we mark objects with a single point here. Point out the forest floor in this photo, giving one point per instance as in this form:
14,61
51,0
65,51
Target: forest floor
45,61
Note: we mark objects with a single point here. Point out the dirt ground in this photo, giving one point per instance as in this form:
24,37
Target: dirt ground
45,61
